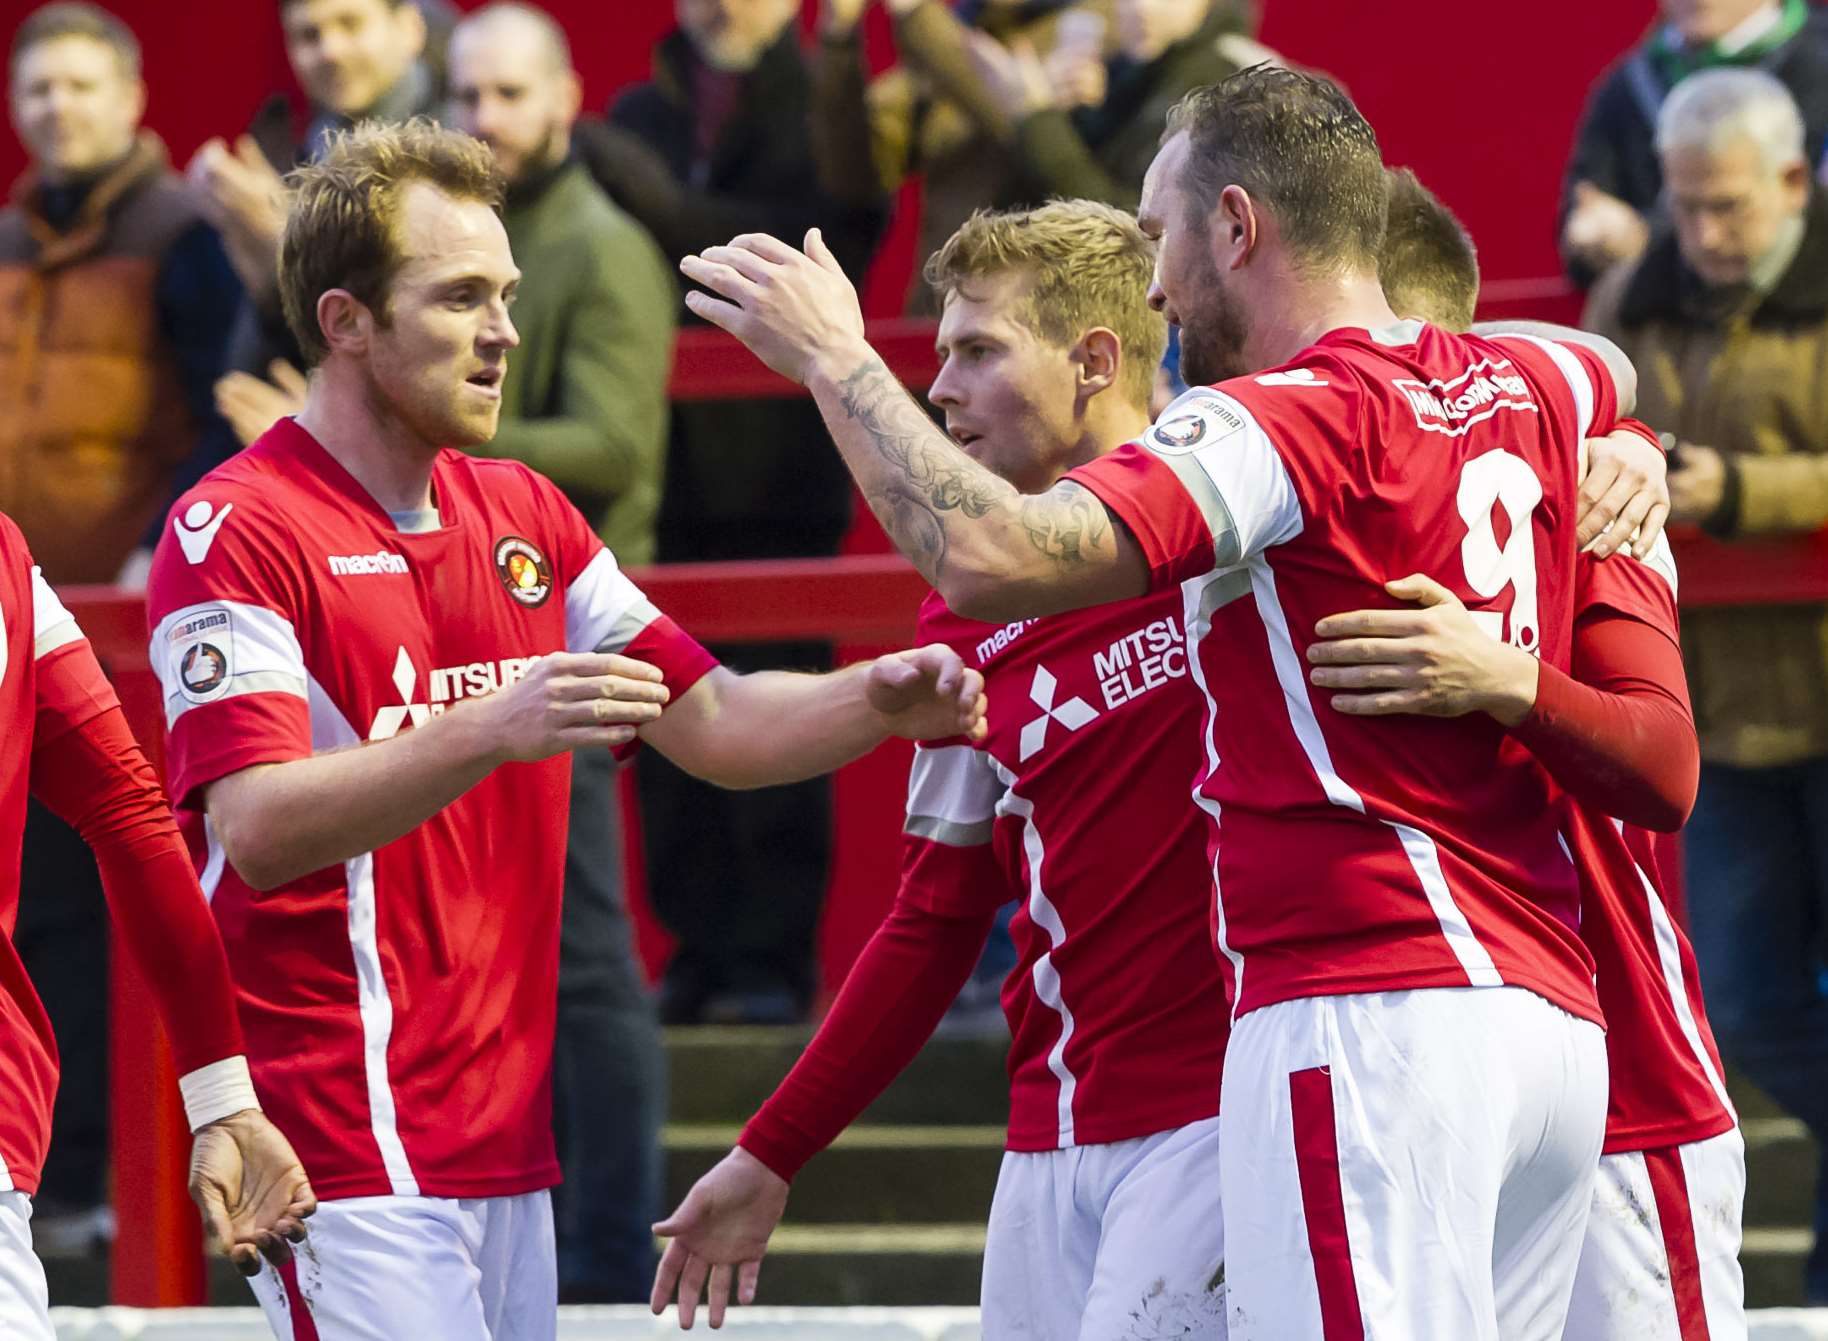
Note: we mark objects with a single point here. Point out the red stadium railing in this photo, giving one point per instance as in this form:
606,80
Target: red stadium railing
861,600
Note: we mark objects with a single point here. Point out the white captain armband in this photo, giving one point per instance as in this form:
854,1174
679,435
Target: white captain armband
213,1092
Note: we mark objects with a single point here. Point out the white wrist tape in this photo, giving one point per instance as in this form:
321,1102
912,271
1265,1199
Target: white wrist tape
213,1092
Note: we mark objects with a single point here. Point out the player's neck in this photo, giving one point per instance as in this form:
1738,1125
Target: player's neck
386,458
1109,423
1306,309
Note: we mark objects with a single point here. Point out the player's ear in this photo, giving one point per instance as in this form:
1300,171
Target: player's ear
1236,226
1098,358
344,320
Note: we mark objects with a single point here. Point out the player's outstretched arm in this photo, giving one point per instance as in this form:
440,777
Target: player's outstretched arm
718,1236
773,727
250,1189
277,822
1618,735
892,1000
1624,486
992,552
88,769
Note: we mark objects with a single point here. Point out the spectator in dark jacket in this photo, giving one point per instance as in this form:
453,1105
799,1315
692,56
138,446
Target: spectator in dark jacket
584,402
355,59
1165,49
1611,199
929,116
118,299
718,145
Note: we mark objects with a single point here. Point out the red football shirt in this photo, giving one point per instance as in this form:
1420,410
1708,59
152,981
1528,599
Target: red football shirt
1372,854
1076,805
33,624
399,1008
1667,1084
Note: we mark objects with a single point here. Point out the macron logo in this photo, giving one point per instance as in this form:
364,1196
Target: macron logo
197,528
1292,377
356,565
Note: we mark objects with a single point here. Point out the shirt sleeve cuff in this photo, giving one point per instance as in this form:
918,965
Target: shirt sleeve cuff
213,1092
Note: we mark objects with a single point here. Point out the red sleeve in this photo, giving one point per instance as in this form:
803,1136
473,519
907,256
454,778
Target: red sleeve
1144,494
88,770
1620,737
1572,377
226,649
891,1002
680,658
912,968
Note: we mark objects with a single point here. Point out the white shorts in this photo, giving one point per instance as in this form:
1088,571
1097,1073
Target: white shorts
1109,1242
25,1305
414,1268
1661,1258
1407,1165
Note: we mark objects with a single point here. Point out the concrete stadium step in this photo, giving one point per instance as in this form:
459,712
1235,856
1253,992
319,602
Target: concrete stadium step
881,1265
1772,1260
722,1074
878,1174
1780,1160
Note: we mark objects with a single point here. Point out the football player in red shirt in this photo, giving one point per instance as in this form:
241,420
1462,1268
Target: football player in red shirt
67,743
1106,1216
1416,1070
1660,1261
376,652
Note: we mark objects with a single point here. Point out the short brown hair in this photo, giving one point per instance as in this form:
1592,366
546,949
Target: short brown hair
1428,265
75,18
1297,144
1088,265
342,230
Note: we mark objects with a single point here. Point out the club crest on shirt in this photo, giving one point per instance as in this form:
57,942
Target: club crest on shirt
1180,435
523,570
1193,423
198,649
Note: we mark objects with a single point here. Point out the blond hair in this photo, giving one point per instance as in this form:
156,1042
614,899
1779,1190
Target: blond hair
1088,265
342,230
1427,264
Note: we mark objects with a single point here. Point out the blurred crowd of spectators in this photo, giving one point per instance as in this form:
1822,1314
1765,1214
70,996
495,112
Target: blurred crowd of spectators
141,342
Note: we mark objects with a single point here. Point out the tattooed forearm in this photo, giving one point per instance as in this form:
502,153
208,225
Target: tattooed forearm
930,475
987,548
1067,524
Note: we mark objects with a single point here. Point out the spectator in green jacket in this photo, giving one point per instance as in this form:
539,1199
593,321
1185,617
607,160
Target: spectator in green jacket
585,399
585,404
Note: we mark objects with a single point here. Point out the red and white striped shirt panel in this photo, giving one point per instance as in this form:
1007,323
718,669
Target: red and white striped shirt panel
1667,1082
1360,854
1077,807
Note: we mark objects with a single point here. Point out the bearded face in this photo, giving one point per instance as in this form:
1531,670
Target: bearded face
1213,326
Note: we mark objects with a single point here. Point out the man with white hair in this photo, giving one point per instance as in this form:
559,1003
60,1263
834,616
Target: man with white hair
1614,182
1727,321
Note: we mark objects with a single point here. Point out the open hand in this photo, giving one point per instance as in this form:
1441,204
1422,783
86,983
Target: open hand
794,309
246,201
250,1189
1435,661
723,1223
1698,483
252,406
1624,495
1602,229
1015,75
927,694
571,701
